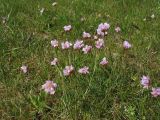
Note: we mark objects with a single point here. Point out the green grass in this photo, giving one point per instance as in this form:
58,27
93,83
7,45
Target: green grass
112,93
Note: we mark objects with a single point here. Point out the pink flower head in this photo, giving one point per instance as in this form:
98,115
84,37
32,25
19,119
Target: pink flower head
104,61
126,45
87,49
67,28
84,70
99,43
66,45
155,92
107,26
102,28
117,29
145,80
24,69
100,32
49,87
68,70
86,35
54,62
54,43
78,44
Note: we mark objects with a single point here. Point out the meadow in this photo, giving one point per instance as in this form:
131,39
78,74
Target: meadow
125,85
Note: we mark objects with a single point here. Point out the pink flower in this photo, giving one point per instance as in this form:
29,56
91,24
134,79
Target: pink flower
49,87
87,49
66,45
102,28
86,35
155,92
78,44
117,29
54,43
24,69
100,32
54,62
104,61
99,43
145,80
68,70
67,28
126,45
84,70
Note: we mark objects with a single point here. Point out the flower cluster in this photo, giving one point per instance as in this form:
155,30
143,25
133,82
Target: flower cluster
145,82
102,30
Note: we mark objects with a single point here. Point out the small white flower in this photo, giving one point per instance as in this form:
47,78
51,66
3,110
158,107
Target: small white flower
117,29
41,11
95,37
54,3
24,69
152,16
